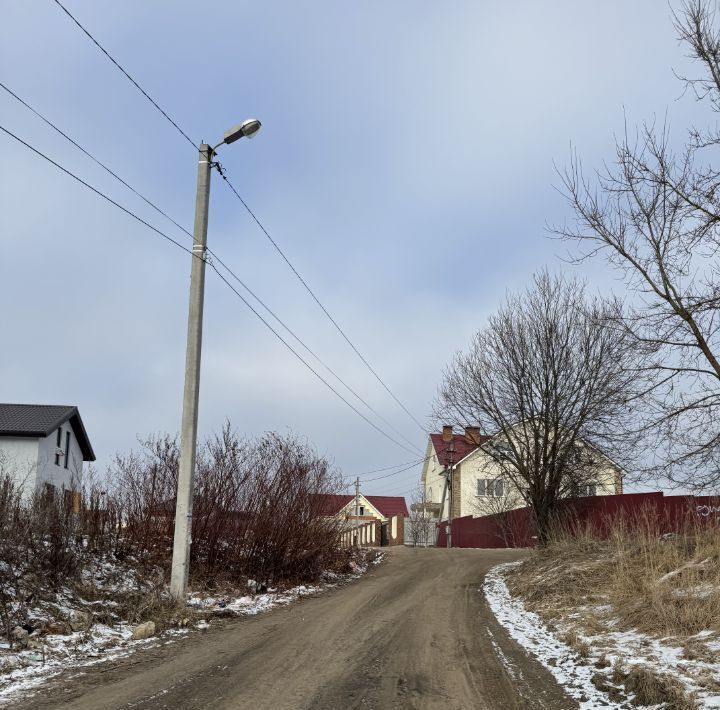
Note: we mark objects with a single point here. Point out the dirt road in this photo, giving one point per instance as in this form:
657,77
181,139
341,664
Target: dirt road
415,632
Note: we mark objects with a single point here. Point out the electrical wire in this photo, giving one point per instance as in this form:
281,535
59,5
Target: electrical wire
94,159
117,64
96,191
214,254
395,473
387,468
212,266
254,217
319,303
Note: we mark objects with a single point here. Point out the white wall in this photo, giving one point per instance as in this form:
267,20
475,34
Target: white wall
31,461
59,476
433,479
19,459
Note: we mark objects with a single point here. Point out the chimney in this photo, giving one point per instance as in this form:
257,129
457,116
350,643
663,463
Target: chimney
472,435
447,433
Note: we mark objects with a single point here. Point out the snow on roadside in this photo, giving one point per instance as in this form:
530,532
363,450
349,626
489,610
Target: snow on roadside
630,648
25,670
529,631
250,605
30,668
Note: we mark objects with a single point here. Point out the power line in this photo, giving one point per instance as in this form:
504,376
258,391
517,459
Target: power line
319,303
189,251
387,468
137,86
95,160
96,191
259,223
304,362
216,256
395,473
252,214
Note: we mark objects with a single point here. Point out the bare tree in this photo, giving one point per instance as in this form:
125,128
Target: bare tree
655,214
553,378
420,524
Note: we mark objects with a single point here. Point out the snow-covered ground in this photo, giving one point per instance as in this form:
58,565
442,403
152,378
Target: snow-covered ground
581,674
50,654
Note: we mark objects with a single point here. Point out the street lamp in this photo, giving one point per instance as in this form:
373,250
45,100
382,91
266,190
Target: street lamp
247,129
188,432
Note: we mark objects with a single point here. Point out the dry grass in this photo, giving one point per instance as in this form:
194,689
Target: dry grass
651,688
664,586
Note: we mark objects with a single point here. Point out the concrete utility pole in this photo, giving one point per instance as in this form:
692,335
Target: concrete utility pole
188,432
191,395
357,511
451,458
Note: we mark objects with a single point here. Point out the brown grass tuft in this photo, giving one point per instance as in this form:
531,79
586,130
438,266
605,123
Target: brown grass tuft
651,688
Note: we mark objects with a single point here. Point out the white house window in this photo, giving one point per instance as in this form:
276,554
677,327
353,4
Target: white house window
490,487
58,443
588,489
503,449
429,495
362,510
67,448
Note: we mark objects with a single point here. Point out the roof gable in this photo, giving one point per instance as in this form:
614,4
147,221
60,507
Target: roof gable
387,506
462,447
40,420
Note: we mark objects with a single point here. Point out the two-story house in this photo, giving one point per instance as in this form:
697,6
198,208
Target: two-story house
43,445
479,486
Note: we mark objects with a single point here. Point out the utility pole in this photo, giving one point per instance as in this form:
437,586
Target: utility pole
191,394
188,432
357,511
451,457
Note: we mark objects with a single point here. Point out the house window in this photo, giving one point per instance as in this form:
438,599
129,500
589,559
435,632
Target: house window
588,489
584,489
67,448
429,495
58,444
490,487
362,510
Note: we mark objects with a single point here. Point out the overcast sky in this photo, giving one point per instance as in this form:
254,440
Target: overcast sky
405,166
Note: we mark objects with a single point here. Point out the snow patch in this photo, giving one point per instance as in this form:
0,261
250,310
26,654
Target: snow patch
528,630
630,647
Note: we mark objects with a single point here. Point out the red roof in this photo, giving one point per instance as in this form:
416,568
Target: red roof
387,505
462,447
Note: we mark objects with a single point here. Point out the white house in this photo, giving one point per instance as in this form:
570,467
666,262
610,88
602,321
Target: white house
478,483
43,444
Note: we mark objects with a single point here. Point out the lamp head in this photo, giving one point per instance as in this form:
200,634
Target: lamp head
246,129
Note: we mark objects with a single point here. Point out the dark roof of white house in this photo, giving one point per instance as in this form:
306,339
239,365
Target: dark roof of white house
36,420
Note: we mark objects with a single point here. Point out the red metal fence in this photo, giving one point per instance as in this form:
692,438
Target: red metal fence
600,514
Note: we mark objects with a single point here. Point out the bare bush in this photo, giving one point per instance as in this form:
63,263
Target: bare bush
256,510
257,515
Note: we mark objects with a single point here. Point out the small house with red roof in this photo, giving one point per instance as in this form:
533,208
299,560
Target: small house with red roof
373,520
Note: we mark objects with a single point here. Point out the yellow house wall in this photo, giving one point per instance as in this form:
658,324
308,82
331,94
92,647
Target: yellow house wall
479,464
